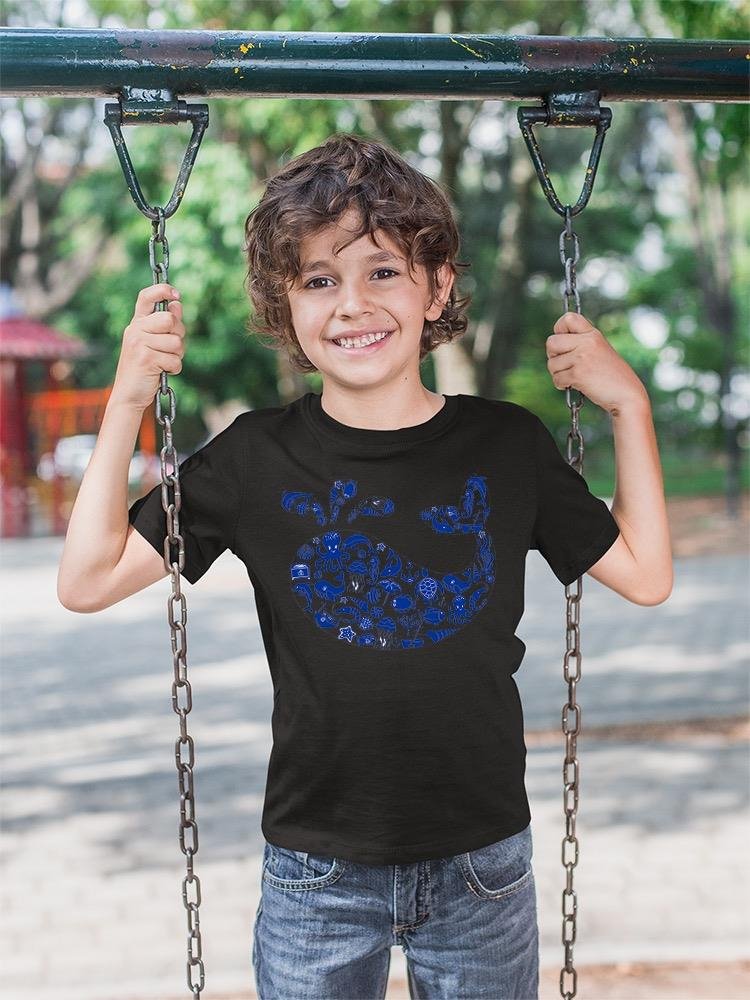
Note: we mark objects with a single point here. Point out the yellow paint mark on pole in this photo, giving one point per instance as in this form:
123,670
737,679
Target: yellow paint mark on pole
468,48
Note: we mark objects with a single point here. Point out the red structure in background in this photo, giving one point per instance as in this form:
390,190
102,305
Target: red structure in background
46,416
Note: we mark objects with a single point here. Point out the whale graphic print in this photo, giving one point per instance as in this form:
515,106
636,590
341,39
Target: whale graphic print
358,590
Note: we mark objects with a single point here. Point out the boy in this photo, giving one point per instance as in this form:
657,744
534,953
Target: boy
385,530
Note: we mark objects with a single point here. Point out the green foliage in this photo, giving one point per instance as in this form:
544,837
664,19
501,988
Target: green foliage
248,138
699,18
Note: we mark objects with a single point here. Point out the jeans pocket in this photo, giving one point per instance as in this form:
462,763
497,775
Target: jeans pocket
288,869
499,869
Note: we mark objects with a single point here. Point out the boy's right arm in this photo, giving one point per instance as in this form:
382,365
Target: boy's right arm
105,559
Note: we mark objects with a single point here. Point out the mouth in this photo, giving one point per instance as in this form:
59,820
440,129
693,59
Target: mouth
369,348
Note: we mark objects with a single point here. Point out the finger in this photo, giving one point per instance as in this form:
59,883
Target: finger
572,322
149,296
554,367
164,343
163,319
173,308
168,362
560,343
160,321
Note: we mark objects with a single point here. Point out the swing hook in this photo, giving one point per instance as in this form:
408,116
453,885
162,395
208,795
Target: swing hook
154,107
567,110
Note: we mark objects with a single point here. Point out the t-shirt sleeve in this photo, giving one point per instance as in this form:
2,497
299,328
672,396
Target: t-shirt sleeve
572,528
211,489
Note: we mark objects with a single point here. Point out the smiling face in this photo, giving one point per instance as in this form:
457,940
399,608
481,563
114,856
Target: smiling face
365,289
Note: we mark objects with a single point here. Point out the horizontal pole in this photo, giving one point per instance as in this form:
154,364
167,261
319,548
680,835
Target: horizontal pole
94,62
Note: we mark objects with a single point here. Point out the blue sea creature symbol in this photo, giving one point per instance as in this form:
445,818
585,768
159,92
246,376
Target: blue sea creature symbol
359,590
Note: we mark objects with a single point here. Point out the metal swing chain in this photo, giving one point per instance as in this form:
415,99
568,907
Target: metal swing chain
573,109
138,106
572,650
191,886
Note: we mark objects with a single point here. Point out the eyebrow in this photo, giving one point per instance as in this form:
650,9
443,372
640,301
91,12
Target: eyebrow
375,258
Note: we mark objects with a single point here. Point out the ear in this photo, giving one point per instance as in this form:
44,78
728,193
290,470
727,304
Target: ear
444,278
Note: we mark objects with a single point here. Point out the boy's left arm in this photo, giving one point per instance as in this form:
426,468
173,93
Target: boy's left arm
639,564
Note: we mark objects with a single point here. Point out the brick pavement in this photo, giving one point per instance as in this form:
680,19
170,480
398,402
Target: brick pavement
91,904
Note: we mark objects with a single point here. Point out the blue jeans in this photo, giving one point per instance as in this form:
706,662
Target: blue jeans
468,925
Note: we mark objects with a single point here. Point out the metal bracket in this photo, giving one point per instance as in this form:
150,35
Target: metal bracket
571,110
155,107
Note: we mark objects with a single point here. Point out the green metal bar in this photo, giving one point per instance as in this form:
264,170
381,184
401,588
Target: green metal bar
95,62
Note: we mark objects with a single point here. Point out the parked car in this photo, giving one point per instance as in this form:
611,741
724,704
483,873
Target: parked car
72,455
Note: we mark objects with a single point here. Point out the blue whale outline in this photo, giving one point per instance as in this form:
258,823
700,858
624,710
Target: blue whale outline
362,592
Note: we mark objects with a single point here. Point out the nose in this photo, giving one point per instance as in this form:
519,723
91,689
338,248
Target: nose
354,299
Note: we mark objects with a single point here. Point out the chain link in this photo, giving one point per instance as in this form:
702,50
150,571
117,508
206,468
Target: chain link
177,614
571,727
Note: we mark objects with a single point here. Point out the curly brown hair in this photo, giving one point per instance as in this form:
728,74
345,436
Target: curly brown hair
314,190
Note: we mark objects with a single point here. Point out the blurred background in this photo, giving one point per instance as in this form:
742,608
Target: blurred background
91,862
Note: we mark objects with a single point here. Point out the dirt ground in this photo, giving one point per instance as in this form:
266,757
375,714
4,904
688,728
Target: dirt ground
654,981
700,526
662,981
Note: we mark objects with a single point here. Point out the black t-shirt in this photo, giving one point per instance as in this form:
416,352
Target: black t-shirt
388,573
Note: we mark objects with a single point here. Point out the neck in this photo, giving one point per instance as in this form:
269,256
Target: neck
381,407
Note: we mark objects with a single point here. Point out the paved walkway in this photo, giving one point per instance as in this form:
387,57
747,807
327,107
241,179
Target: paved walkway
91,868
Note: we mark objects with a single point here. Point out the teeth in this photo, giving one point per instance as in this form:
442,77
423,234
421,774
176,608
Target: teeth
369,338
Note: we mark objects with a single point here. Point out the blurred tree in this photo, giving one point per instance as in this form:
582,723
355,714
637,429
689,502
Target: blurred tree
638,271
45,263
709,147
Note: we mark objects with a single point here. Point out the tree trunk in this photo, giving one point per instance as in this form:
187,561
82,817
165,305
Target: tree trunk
711,244
511,271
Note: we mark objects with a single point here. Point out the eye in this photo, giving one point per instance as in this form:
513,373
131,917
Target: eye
310,283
